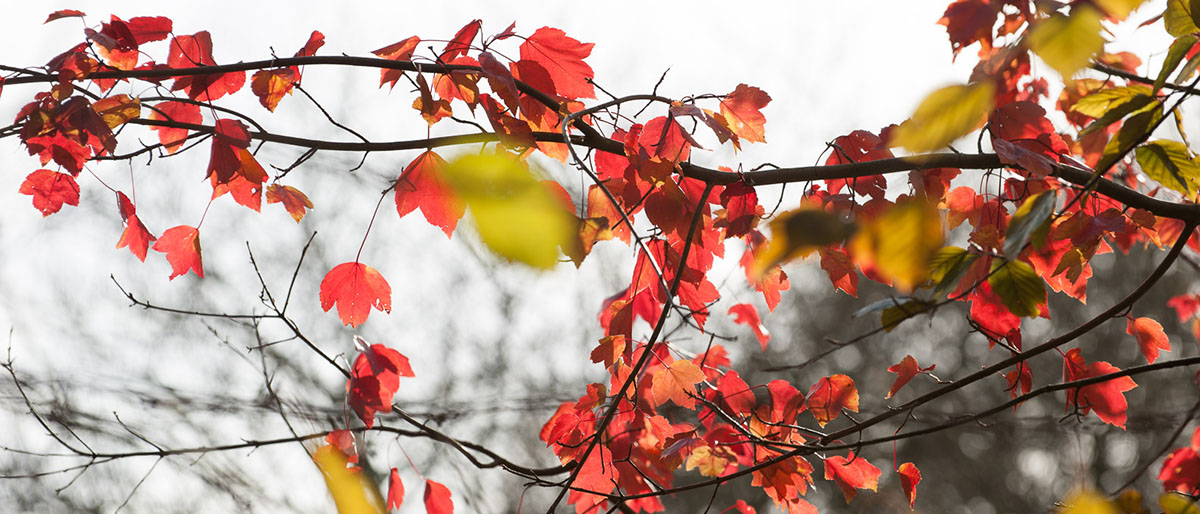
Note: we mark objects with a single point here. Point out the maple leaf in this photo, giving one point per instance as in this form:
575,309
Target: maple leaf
851,473
355,288
437,498
170,137
182,246
292,199
741,113
746,314
50,190
910,476
609,351
343,440
741,209
830,395
840,269
461,43
401,51
500,79
63,13
906,369
271,85
1186,306
395,495
224,161
135,236
118,109
562,57
421,186
1181,469
374,379
968,21
1107,398
736,395
675,382
786,401
196,50
245,185
1150,336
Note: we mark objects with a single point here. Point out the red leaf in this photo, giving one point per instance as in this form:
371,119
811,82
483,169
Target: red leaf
432,109
1186,306
50,190
840,268
746,314
737,395
562,57
315,41
851,474
246,183
146,29
271,85
421,186
969,21
224,161
461,44
355,288
395,490
500,79
906,369
64,13
1181,469
182,246
786,401
1150,337
343,440
180,112
740,111
135,236
910,476
675,382
830,395
1106,398
401,51
196,50
374,379
294,200
513,132
437,498
741,209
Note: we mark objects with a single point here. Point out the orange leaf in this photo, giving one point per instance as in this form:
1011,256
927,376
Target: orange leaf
910,476
401,51
746,314
461,44
851,474
675,382
271,85
830,395
50,190
740,111
1150,337
294,200
421,186
437,498
135,236
179,112
906,369
182,246
355,288
64,13
245,185
395,495
562,57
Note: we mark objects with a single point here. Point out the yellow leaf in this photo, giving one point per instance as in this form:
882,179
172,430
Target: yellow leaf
945,115
1175,503
1019,287
1067,43
1179,18
1170,163
1119,9
1101,102
516,216
797,233
352,492
901,242
116,110
1085,502
712,462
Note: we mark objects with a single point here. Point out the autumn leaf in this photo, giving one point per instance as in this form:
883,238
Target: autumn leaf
117,110
1019,287
136,237
1150,336
50,190
675,383
224,161
460,44
196,50
562,57
516,216
945,115
352,491
395,495
1170,163
401,51
1067,43
182,246
271,85
901,242
292,199
746,314
1181,469
1107,398
170,137
741,113
374,379
830,395
1032,215
910,476
421,186
355,288
1086,502
905,370
437,498
797,233
852,473
64,13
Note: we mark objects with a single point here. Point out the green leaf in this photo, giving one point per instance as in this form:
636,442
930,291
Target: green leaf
1175,503
1119,9
1179,18
1135,130
892,316
1170,164
1118,111
516,216
1178,50
1067,43
948,266
945,115
1188,69
1104,100
1018,286
1032,214
900,241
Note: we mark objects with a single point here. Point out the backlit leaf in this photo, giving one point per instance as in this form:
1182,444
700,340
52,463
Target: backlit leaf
797,233
421,186
948,266
562,57
910,476
50,190
901,242
1179,48
271,85
852,473
675,382
1179,18
945,115
374,379
1067,43
1150,337
1175,503
182,246
118,109
352,491
1106,398
1019,287
1032,214
1170,164
294,200
1101,102
355,288
905,370
830,395
746,314
516,216
181,112
395,495
136,237
741,112
1086,502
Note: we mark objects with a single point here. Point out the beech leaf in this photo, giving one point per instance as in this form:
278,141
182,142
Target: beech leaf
1067,43
1034,213
901,242
1019,287
797,233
